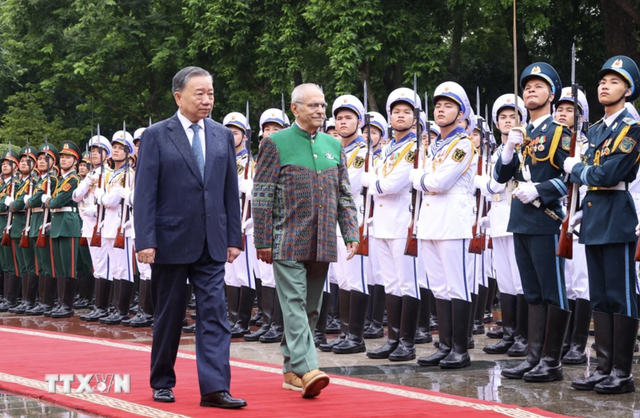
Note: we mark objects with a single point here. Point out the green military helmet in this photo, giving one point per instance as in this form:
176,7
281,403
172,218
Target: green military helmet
29,152
628,69
12,156
86,158
51,150
70,148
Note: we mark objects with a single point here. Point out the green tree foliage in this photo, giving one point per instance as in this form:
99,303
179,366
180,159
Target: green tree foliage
66,65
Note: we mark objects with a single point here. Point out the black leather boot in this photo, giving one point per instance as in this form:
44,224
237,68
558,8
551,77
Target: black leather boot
549,369
520,347
354,342
508,307
268,301
423,334
233,301
319,334
31,293
471,343
458,357
491,294
620,380
38,309
478,323
101,310
537,326
345,303
408,325
70,286
579,333
144,317
115,295
567,341
51,292
367,320
11,290
245,309
257,318
603,330
394,315
124,303
375,329
22,306
333,324
276,330
445,331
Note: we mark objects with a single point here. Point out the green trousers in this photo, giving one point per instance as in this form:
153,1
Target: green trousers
9,260
84,261
43,257
26,258
65,256
299,285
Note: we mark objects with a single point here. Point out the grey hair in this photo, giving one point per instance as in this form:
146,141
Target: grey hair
299,94
183,76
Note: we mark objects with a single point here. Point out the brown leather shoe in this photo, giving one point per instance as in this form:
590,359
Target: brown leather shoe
313,382
222,399
292,382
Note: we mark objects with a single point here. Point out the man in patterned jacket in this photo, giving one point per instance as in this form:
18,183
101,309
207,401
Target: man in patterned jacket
301,192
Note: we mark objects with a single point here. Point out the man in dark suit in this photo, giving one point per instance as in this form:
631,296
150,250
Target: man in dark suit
187,222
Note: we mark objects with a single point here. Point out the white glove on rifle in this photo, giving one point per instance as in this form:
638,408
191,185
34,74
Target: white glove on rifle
246,187
98,194
638,230
479,182
515,138
8,200
368,179
26,199
485,223
526,192
569,163
577,218
415,173
45,198
124,193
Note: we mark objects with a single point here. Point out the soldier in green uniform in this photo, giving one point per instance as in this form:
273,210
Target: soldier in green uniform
84,269
65,228
26,256
10,163
47,158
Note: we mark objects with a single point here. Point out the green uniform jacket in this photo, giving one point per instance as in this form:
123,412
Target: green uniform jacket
18,207
301,192
3,207
36,202
65,224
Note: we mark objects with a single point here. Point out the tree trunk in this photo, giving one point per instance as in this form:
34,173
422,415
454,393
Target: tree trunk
619,41
455,59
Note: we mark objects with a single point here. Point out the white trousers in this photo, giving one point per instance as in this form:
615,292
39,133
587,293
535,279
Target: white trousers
239,273
120,259
144,269
446,265
576,277
479,266
398,270
507,273
421,272
100,261
350,273
374,275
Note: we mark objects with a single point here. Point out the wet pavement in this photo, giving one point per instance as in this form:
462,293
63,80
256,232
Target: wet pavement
480,381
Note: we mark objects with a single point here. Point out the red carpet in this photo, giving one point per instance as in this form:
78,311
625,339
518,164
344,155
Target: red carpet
27,356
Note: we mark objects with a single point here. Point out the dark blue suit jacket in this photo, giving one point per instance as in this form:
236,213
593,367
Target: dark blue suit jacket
175,210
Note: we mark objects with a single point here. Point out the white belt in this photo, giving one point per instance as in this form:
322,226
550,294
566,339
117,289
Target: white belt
36,210
623,185
65,209
453,190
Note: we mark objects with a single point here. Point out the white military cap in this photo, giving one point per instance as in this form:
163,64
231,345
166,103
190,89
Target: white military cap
236,119
455,92
508,100
348,101
404,95
273,115
566,96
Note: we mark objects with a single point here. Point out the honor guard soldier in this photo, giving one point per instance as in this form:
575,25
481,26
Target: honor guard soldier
330,128
444,226
116,210
576,275
11,279
39,235
375,279
348,112
609,164
137,135
272,329
84,268
65,228
24,254
514,307
391,191
241,286
536,163
100,149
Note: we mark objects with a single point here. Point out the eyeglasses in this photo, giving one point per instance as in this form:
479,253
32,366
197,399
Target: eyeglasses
314,106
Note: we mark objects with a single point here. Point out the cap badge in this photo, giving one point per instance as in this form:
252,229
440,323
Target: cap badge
536,70
617,64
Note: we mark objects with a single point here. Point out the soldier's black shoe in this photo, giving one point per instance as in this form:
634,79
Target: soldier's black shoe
143,320
318,338
189,329
620,380
496,334
444,345
603,326
408,325
537,319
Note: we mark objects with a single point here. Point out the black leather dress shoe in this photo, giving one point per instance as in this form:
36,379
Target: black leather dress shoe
163,395
222,399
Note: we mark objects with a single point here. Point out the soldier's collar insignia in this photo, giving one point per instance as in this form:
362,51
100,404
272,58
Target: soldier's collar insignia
544,127
613,128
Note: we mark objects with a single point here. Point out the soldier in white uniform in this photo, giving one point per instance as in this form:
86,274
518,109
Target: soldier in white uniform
576,276
239,277
121,260
272,120
391,191
444,226
101,151
348,113
514,340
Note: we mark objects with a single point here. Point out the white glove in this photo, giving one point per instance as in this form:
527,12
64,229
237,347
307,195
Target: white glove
480,182
638,230
246,186
368,178
569,163
26,199
415,173
45,198
577,218
91,212
485,223
124,193
526,192
91,178
98,194
8,200
515,138
47,226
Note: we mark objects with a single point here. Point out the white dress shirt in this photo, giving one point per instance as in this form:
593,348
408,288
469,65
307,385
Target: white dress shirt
186,125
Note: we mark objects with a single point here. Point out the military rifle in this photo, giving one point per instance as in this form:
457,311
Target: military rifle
411,247
96,238
363,248
41,242
124,212
24,239
6,234
477,244
246,204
